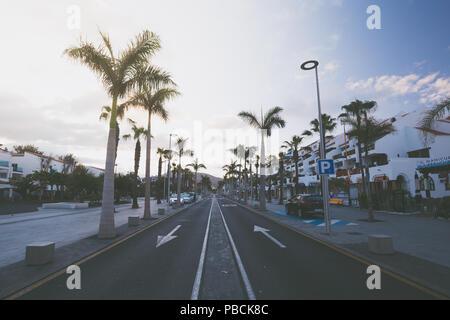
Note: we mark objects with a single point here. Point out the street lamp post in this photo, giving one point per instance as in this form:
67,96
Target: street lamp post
309,65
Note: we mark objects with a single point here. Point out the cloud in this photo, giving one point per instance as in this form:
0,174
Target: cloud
430,88
419,64
330,67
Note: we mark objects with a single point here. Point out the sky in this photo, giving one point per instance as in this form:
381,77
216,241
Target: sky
226,57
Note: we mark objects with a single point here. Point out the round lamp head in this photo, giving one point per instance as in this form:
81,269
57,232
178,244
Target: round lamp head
309,65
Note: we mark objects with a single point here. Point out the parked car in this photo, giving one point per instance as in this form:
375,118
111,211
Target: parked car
305,205
187,198
174,199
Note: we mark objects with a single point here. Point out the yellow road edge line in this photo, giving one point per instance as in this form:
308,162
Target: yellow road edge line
52,276
351,255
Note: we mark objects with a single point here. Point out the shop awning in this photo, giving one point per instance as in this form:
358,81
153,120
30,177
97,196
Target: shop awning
434,165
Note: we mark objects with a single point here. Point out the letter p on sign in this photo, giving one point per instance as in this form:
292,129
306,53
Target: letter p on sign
326,167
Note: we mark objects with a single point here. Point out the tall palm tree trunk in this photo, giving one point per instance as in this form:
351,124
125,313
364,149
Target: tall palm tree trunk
269,194
179,184
296,175
361,169
262,177
195,187
107,227
147,210
174,172
281,183
368,188
137,152
159,195
257,183
245,186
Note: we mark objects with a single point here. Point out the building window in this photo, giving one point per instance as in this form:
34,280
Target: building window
427,183
422,153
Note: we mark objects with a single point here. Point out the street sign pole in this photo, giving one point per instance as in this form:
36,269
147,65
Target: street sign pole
309,65
322,155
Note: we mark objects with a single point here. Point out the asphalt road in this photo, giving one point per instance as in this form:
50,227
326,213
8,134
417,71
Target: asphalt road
273,265
137,269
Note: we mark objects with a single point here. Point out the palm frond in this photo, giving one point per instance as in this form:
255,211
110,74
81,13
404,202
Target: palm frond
96,60
271,114
436,113
137,54
108,45
250,118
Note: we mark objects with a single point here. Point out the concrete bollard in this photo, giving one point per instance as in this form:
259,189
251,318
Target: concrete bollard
381,244
39,253
161,211
134,221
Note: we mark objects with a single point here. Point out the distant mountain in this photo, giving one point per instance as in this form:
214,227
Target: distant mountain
214,180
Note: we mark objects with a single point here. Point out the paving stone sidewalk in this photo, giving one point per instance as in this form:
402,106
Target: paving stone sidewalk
60,226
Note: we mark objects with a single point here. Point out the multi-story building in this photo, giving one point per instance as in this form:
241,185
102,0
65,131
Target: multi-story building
401,156
23,164
6,171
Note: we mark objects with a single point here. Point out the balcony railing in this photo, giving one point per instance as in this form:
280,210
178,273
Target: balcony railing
4,163
18,169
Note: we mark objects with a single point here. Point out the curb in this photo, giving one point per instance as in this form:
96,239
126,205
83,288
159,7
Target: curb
398,274
53,274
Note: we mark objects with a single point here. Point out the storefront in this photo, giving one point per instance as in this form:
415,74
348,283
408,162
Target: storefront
432,177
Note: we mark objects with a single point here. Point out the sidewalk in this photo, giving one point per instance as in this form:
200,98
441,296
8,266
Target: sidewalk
60,226
422,244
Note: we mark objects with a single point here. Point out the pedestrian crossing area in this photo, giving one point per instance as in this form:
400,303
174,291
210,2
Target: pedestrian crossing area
319,222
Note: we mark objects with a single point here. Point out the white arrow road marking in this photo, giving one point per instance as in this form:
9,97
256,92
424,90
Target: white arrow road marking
164,239
265,232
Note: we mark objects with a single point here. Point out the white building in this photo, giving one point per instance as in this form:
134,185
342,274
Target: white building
23,164
6,171
400,156
95,171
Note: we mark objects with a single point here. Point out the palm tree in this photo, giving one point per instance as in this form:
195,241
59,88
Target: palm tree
266,124
231,170
196,166
430,116
328,125
106,114
205,183
151,97
271,163
174,171
248,156
257,178
69,162
119,75
181,151
355,114
294,146
162,153
370,131
281,157
239,153
138,132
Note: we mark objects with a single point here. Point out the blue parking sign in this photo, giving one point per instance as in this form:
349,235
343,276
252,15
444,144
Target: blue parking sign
326,167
